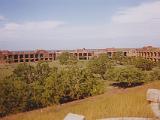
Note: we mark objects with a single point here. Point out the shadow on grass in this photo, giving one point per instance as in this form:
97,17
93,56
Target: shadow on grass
126,84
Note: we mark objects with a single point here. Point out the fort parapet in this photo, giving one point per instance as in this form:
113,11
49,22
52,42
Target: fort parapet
150,53
6,56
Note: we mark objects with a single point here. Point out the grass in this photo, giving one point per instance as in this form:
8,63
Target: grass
115,102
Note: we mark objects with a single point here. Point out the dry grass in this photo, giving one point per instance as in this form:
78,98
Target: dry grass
114,103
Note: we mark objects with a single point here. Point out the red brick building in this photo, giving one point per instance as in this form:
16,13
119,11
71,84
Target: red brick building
81,54
26,56
149,52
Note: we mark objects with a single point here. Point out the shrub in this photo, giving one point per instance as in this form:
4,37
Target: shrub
22,90
31,87
66,58
128,75
154,75
119,57
72,83
144,64
99,65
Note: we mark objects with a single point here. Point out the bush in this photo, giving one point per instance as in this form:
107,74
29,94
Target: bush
66,58
154,75
22,90
12,97
72,83
31,87
99,65
119,57
128,75
144,64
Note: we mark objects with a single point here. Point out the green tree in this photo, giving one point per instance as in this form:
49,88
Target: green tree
29,73
125,74
129,60
80,83
66,58
23,90
144,64
25,72
154,74
99,65
31,87
118,57
71,82
13,97
42,71
54,87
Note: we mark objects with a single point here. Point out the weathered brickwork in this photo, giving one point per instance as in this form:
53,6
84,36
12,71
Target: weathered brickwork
81,54
150,53
26,56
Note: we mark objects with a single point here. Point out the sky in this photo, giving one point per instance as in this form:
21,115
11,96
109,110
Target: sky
72,24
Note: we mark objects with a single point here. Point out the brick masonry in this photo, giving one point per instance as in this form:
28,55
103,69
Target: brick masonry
6,56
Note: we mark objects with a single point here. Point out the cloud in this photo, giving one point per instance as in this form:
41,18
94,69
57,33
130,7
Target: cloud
38,25
137,23
133,26
2,18
146,12
129,27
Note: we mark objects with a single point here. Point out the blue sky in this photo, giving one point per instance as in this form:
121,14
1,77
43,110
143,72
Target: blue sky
71,24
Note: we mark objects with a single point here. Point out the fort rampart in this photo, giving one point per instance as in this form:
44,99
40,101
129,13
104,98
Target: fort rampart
6,56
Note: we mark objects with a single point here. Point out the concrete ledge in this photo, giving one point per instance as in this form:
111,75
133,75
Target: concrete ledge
153,95
156,109
71,116
127,118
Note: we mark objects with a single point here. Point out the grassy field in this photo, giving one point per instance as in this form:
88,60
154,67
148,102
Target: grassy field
114,103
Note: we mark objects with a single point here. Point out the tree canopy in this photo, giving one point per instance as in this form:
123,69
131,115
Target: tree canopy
66,58
125,74
31,87
118,57
144,64
99,65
